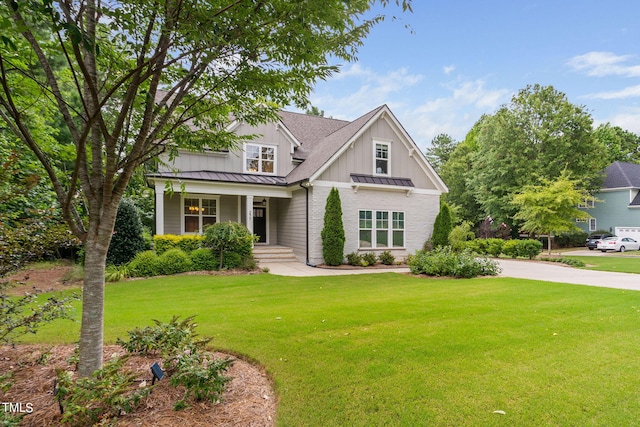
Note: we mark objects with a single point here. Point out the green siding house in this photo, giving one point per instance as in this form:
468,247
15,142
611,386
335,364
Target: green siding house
618,208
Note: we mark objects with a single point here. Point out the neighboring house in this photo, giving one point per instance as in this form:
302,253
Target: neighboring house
618,207
278,183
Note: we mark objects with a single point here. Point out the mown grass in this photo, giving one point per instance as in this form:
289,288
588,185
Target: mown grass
611,262
396,350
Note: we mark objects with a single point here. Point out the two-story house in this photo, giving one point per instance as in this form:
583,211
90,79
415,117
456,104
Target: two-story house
618,207
277,185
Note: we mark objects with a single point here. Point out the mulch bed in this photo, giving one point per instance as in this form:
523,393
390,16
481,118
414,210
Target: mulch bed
248,401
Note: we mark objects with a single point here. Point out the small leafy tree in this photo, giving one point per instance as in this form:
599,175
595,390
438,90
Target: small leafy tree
127,238
229,237
551,207
333,232
442,227
22,315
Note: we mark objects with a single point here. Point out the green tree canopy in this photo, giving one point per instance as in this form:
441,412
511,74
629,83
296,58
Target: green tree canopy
550,207
442,146
537,137
129,79
620,145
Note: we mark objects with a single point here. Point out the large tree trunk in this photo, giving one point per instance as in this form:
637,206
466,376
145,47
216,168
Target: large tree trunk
92,330
96,246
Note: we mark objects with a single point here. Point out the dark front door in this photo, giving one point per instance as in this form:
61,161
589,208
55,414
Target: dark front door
260,223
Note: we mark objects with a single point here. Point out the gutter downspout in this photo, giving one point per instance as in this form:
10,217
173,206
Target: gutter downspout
306,187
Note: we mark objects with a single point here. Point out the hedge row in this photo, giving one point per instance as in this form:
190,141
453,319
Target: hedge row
34,241
528,248
187,242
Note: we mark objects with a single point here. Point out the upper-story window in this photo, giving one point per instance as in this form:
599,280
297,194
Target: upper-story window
382,150
260,158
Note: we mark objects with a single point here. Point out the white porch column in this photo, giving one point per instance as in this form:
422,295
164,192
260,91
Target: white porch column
159,210
249,214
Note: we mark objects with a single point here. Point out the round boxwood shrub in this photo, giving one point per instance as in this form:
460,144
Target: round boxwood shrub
203,259
144,264
174,261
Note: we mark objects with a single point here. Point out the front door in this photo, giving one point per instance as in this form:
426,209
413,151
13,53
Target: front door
260,223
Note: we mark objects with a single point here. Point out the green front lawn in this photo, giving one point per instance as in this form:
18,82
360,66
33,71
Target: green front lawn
611,262
395,350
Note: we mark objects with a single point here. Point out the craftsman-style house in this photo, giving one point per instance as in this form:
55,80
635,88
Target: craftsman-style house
277,185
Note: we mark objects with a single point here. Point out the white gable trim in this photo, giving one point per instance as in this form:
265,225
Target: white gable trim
411,146
414,151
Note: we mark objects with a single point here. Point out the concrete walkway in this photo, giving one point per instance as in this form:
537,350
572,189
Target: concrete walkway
533,270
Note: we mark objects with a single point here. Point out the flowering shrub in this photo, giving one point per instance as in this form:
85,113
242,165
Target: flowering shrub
443,261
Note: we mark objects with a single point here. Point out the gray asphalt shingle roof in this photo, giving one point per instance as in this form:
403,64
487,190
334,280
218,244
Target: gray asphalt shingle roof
319,148
622,175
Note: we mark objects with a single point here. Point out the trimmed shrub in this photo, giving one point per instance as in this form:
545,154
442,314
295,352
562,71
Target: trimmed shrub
333,231
231,242
494,246
369,258
386,258
528,248
354,258
187,242
510,248
442,227
203,259
145,264
127,239
444,261
174,261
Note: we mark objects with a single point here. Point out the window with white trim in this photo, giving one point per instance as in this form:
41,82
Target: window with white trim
260,158
382,151
380,229
587,204
592,224
197,213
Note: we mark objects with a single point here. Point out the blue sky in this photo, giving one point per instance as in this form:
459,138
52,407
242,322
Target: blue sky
464,58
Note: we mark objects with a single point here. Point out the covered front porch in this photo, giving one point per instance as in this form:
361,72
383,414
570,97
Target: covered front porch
188,206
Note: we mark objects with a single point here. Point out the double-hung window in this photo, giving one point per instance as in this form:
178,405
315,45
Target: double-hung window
381,157
386,231
198,213
260,158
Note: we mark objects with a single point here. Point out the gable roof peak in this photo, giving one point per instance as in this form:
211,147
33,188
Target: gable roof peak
622,175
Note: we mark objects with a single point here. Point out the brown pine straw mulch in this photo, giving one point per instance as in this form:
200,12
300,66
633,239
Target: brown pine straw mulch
249,400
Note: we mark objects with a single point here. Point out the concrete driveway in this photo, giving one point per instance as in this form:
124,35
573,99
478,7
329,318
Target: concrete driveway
546,271
554,272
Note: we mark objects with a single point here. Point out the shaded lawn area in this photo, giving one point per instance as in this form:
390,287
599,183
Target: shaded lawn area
395,350
612,262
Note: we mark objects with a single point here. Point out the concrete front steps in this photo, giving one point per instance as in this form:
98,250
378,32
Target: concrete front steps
267,254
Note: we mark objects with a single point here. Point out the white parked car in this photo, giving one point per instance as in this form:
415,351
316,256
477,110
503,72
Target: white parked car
619,244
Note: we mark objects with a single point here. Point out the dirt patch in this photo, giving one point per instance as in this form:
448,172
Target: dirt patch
248,401
55,278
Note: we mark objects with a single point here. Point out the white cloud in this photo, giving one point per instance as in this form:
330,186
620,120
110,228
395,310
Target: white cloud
629,121
601,64
628,92
425,111
455,114
448,69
